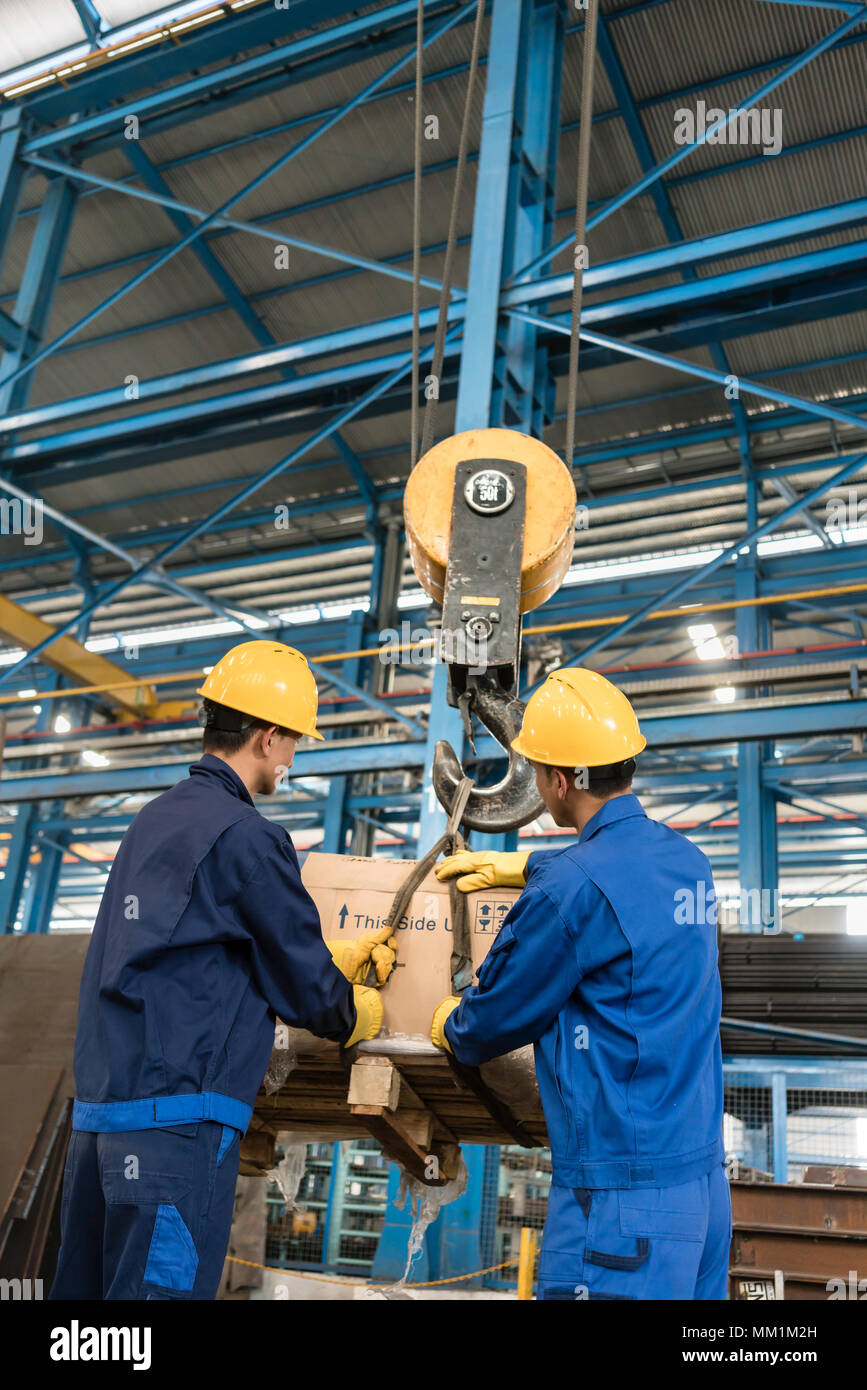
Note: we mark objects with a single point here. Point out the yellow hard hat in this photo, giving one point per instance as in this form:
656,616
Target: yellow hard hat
268,681
578,719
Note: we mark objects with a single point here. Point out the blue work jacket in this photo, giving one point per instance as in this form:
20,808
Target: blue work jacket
204,934
607,962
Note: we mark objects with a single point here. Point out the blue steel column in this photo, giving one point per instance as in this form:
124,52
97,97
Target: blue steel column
334,833
12,175
335,1206
35,297
38,908
19,847
758,859
498,381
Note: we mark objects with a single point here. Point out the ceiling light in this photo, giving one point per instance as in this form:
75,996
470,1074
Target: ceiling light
94,759
707,645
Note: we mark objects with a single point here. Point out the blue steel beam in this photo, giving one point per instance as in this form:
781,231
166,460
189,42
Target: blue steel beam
158,67
629,268
280,467
661,169
264,412
333,758
92,21
12,176
661,200
233,612
750,388
727,724
233,296
567,212
608,598
165,200
36,294
280,163
494,185
655,262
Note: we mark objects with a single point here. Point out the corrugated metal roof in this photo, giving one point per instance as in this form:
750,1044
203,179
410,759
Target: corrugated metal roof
672,54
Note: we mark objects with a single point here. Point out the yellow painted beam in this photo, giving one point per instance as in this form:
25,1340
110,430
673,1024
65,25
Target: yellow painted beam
21,626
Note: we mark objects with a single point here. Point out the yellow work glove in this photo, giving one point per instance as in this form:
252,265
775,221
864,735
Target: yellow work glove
438,1026
485,868
369,1010
353,957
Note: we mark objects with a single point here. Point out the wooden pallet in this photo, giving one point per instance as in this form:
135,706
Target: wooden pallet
323,1095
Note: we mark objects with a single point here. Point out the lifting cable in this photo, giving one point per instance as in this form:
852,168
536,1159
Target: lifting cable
416,229
448,265
581,219
436,367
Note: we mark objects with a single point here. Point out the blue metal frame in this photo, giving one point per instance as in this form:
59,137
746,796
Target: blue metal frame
505,317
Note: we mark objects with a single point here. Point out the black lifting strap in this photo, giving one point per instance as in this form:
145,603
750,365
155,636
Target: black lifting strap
452,842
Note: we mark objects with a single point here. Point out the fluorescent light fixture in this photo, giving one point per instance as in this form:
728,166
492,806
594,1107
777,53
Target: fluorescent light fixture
155,635
337,610
206,670
300,615
725,694
787,545
31,73
94,759
416,598
62,724
9,658
694,559
643,564
257,623
102,644
707,645
125,39
161,20
25,694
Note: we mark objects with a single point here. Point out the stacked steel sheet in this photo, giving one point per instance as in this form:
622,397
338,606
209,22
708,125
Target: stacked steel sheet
818,983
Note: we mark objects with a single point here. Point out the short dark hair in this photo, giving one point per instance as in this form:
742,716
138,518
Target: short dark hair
228,730
604,781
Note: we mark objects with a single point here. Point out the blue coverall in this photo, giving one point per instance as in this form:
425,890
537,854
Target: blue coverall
205,933
607,962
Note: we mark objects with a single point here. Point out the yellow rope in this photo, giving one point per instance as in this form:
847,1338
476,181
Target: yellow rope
366,1283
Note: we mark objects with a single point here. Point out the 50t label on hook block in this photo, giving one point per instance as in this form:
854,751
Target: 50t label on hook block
489,491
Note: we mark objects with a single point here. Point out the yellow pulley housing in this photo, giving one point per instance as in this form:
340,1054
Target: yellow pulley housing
549,528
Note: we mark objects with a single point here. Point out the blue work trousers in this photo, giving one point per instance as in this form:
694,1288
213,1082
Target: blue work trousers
638,1243
146,1214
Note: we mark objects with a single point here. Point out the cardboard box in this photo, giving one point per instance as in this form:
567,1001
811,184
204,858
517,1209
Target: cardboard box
354,896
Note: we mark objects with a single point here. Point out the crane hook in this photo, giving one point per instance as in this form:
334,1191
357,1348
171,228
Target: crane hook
513,801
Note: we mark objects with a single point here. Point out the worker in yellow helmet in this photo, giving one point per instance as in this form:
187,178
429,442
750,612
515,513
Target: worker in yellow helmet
204,937
607,962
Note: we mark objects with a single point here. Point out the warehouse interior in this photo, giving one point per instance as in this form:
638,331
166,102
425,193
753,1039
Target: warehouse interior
234,240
